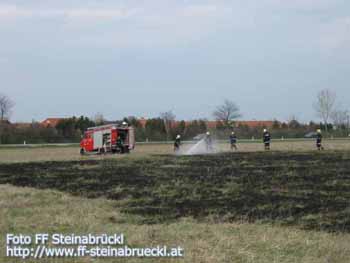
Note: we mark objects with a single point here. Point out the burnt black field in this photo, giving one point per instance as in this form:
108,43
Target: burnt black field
309,190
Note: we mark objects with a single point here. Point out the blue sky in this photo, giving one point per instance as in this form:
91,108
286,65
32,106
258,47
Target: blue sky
138,57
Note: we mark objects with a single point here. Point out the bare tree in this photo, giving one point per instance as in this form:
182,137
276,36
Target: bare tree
227,112
324,105
340,117
168,117
6,106
293,117
99,119
293,122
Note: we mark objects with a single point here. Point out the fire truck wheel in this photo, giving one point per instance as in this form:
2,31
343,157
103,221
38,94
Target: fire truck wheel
82,151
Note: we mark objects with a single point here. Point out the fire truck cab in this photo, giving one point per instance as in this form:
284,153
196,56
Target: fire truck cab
108,138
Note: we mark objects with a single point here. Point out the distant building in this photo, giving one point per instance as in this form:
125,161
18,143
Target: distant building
142,122
51,122
5,122
250,124
22,125
255,124
213,124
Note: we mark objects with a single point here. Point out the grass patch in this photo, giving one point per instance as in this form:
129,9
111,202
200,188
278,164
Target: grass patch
207,242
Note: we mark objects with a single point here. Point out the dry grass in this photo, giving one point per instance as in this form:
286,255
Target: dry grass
29,211
72,153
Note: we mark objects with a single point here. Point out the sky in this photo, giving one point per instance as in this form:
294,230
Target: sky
142,57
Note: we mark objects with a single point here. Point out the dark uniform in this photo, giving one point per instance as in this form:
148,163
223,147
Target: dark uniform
177,144
233,141
319,141
120,144
267,140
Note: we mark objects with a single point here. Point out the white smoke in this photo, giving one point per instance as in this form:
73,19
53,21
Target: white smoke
201,148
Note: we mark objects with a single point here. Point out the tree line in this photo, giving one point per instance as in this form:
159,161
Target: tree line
335,122
70,130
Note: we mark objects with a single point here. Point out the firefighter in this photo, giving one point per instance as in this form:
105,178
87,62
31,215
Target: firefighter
104,148
208,142
233,141
266,139
177,143
120,145
319,140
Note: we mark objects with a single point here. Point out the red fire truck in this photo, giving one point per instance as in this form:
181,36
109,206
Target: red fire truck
108,138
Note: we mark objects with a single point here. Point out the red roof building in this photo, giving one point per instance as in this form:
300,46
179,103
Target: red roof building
213,124
23,125
255,124
51,122
142,122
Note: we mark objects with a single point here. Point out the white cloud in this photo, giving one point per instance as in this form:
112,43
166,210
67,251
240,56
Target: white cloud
157,23
99,13
14,12
336,34
9,11
122,25
200,10
303,4
149,26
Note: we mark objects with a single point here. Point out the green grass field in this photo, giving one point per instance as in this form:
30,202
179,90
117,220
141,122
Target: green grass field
28,154
288,205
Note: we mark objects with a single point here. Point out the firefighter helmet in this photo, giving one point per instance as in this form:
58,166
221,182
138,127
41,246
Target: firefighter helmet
178,136
208,133
318,130
265,130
